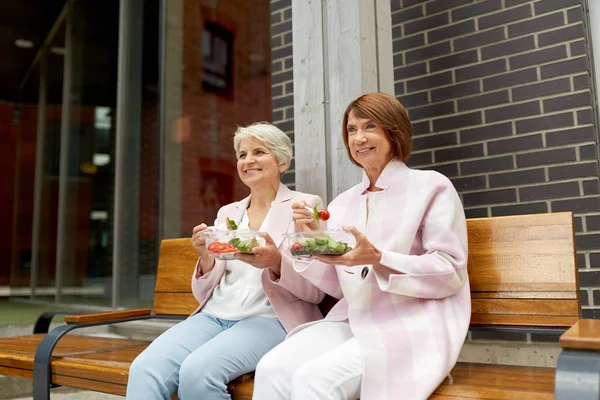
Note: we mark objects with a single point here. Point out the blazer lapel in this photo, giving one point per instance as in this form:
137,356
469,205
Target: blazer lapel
280,215
236,211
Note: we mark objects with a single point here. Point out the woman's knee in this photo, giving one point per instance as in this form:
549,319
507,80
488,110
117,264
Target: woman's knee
272,378
199,375
271,367
143,366
149,379
310,383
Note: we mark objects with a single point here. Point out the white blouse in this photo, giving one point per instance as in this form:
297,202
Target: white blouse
240,293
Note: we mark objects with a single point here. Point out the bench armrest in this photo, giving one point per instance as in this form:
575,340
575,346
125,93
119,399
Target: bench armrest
108,317
42,324
583,335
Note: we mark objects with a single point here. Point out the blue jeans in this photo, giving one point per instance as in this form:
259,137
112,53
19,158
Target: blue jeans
200,356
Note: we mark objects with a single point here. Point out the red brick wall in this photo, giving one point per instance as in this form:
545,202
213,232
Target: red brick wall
208,158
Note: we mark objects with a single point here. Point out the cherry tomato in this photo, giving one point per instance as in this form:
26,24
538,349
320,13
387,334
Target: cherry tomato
227,248
324,215
220,247
296,246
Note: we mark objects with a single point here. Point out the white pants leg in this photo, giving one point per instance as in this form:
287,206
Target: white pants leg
321,362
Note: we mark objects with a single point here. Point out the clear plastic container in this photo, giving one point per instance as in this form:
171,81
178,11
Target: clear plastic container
331,242
224,244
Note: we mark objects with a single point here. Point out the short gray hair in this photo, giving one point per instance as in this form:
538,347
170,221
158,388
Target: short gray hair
273,137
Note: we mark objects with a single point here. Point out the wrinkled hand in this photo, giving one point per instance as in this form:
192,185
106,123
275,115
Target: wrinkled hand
364,252
198,240
267,256
199,243
304,219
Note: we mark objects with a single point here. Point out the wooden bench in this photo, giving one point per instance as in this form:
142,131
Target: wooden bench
522,274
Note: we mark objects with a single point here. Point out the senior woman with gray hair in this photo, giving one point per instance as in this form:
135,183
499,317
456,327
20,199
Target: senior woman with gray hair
246,305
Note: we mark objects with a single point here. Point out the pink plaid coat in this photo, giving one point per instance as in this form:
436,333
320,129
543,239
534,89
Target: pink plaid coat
294,300
411,324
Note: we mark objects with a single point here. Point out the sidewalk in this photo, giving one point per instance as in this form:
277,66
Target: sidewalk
56,394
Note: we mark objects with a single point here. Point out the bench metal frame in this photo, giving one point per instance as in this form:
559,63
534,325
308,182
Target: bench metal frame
577,375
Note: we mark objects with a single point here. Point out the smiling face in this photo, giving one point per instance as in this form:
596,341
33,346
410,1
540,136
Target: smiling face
257,165
368,143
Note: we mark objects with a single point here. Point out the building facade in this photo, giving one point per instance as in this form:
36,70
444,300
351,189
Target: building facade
501,94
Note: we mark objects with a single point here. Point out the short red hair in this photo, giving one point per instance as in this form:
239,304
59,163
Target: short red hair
387,112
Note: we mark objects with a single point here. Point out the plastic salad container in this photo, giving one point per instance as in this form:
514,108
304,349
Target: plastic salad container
331,242
224,244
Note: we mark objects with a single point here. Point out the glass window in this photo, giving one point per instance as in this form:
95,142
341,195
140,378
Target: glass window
217,46
65,155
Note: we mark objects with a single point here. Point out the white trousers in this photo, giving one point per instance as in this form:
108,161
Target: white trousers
321,362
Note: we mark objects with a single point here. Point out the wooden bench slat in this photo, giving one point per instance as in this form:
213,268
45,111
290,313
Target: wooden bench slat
504,393
174,303
527,295
117,375
490,285
18,372
535,269
548,220
499,370
173,293
584,335
175,266
546,307
464,393
506,378
535,248
16,361
523,320
89,384
115,358
500,382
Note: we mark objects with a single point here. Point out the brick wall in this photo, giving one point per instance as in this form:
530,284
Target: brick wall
207,157
282,86
499,92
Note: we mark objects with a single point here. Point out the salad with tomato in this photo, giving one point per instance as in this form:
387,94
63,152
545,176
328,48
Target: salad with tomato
223,244
319,245
233,245
331,242
221,247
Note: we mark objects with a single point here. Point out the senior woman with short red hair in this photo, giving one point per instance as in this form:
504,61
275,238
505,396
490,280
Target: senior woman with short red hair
404,306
